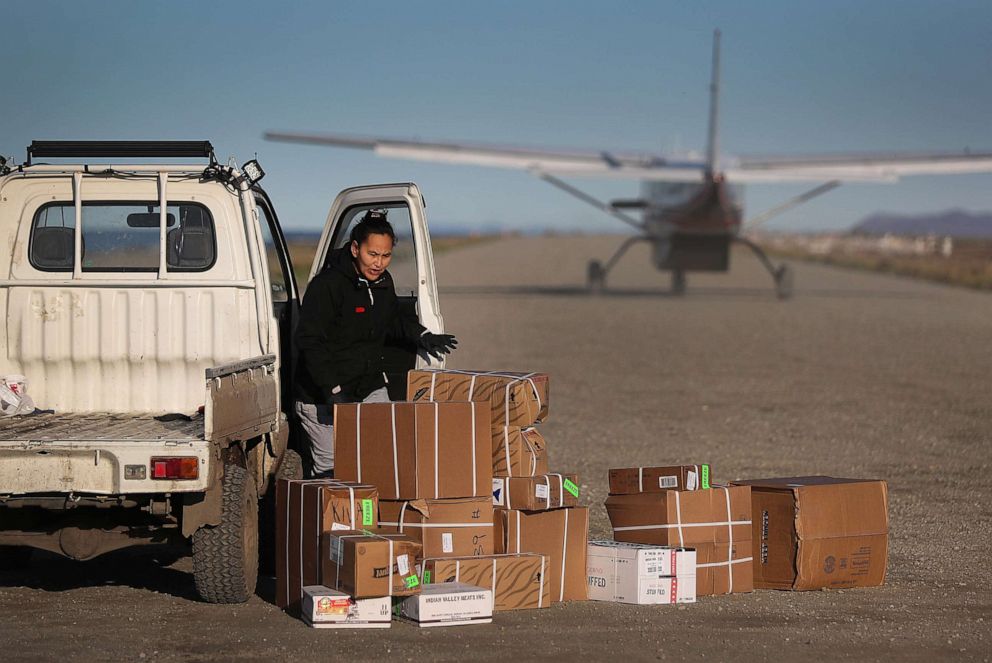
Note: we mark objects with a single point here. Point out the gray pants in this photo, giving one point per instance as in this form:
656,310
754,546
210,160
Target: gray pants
317,422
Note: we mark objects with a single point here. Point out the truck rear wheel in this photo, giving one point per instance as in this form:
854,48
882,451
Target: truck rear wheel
225,556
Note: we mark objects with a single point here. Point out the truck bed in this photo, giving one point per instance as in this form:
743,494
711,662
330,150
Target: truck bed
100,426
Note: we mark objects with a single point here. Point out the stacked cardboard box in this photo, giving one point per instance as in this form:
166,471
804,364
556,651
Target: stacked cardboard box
815,532
641,574
305,511
716,522
522,486
453,527
517,581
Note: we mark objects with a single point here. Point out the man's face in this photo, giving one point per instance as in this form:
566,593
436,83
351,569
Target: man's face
373,256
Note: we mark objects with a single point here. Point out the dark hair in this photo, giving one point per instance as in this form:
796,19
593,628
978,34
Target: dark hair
373,223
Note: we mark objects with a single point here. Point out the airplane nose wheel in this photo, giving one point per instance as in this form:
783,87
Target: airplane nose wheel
784,277
595,277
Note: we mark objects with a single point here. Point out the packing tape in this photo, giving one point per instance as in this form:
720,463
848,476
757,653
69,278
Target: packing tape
730,547
564,554
493,584
475,473
678,517
437,473
540,596
673,525
358,438
399,525
396,462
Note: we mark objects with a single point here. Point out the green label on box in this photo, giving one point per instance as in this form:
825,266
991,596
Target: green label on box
368,518
412,582
427,577
704,480
571,487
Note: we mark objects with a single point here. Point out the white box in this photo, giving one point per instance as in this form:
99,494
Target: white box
640,574
328,608
448,604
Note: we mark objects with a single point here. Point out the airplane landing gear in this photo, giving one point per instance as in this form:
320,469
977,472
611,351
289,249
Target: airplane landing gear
595,277
784,277
678,282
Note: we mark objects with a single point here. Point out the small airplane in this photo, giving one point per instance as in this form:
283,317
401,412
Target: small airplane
690,206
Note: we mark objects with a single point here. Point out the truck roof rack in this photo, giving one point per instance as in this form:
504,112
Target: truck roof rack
131,149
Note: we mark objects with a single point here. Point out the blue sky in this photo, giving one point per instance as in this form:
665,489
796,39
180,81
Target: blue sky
799,77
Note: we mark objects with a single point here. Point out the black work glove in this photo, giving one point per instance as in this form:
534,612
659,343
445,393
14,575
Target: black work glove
437,345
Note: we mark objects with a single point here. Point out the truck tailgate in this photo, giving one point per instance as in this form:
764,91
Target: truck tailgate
104,454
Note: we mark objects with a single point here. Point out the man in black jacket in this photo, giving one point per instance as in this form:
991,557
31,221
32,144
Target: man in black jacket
349,310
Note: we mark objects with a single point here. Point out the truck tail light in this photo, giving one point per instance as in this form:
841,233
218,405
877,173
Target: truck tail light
178,467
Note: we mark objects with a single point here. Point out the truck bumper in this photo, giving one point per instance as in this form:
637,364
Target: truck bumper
97,468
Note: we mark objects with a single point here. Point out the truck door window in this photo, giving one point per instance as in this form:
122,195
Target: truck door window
277,278
403,267
122,237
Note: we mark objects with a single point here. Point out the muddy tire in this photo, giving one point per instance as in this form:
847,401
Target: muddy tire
15,558
225,556
290,468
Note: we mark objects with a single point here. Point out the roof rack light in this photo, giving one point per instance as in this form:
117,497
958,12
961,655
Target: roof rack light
130,149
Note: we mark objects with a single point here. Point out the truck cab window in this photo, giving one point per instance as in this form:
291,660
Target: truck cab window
403,267
277,276
122,237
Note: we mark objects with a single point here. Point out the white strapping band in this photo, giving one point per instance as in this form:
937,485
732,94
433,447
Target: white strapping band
400,525
540,596
678,517
564,553
358,437
475,478
640,479
437,473
396,462
674,525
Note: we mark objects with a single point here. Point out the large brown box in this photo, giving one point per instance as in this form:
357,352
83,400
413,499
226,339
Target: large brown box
414,450
723,568
548,491
366,565
561,535
815,532
517,399
305,509
630,480
518,581
459,527
721,515
519,452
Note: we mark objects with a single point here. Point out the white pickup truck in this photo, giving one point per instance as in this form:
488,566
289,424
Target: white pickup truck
151,308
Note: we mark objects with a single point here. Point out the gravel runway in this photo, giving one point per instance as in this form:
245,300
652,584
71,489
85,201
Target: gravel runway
859,375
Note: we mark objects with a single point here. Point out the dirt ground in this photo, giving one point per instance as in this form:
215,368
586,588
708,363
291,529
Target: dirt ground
860,375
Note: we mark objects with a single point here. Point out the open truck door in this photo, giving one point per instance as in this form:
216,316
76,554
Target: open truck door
412,267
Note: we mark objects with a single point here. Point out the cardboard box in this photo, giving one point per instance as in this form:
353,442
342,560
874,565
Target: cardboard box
460,527
549,491
366,565
716,522
327,608
414,450
517,581
559,534
516,399
724,568
814,532
630,480
305,509
640,574
519,452
448,604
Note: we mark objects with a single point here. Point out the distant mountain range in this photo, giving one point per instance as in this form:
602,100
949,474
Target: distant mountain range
954,223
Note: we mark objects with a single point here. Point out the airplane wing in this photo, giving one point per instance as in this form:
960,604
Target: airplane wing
867,167
584,163
645,166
